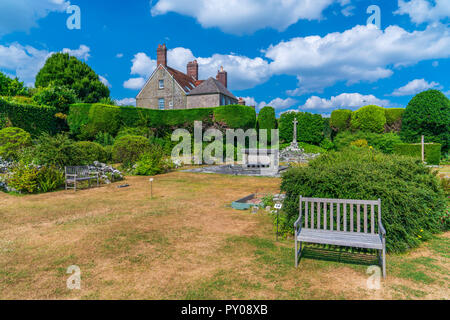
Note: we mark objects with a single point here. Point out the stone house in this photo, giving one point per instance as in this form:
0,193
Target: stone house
168,88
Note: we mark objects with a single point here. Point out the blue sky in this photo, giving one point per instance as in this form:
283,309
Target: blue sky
306,55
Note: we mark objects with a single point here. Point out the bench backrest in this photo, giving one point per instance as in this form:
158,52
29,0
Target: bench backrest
340,214
80,171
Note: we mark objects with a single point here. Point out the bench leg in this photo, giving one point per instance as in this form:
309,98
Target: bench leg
384,261
296,251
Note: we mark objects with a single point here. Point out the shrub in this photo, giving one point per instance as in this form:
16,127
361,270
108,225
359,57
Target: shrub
28,178
360,143
86,152
11,87
327,144
104,138
12,142
55,96
382,142
340,120
309,129
413,202
56,150
31,118
428,113
369,119
432,151
128,149
152,162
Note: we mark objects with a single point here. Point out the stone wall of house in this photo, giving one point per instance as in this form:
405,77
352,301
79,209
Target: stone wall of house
150,94
203,101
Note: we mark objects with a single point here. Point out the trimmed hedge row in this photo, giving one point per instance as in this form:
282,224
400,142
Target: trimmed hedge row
86,120
432,151
369,119
31,118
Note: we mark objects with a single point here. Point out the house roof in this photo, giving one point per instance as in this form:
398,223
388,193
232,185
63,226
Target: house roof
186,82
211,86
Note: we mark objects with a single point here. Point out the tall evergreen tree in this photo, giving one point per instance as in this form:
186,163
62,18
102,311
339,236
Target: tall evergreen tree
63,70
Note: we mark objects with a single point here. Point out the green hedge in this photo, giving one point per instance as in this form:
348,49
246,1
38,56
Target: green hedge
340,119
432,151
267,120
369,118
310,127
89,119
31,118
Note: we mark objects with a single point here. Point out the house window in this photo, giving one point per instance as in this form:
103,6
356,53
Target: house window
161,104
161,84
222,100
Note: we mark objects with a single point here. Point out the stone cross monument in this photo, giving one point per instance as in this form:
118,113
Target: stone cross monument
294,144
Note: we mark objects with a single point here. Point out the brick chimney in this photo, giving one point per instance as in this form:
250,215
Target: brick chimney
222,76
241,102
161,54
192,69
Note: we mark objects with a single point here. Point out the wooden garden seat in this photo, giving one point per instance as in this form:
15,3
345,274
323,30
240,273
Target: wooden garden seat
341,222
76,174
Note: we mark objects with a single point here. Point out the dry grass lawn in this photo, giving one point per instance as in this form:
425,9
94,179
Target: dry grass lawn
186,243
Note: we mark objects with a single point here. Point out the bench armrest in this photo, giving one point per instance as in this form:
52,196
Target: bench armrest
297,224
382,231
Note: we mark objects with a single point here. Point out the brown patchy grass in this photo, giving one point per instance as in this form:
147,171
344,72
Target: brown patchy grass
186,243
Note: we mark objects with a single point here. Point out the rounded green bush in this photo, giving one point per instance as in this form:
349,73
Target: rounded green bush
128,149
86,152
413,201
369,118
340,119
428,114
12,142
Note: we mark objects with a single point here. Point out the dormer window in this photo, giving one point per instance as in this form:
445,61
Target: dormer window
161,84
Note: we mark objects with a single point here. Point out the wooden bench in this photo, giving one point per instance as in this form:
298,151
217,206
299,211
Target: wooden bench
79,174
350,223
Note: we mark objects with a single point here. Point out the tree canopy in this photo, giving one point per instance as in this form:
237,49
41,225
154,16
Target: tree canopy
428,114
11,87
61,69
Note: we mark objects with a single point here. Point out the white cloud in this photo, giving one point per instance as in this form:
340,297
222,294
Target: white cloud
435,64
126,102
22,61
348,11
104,81
250,101
22,15
344,100
119,55
278,103
142,65
134,83
363,53
245,16
424,10
81,53
415,86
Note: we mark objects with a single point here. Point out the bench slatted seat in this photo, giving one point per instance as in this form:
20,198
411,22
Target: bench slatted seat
341,222
76,174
